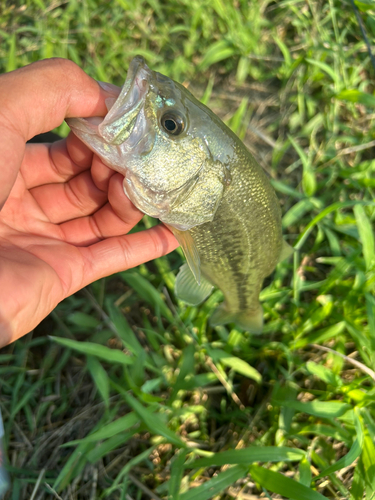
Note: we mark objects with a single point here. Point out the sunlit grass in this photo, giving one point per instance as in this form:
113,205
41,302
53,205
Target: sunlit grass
135,396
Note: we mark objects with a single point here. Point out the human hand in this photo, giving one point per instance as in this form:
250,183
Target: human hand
64,215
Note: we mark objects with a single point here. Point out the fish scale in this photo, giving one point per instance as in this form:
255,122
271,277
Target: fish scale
184,166
232,247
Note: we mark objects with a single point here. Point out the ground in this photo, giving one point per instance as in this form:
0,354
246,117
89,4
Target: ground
125,393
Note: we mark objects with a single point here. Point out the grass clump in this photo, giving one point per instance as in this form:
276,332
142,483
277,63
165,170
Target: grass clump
134,396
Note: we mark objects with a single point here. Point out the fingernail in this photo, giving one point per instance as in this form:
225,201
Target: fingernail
109,87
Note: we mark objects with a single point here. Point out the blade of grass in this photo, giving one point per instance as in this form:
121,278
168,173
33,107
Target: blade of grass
177,472
216,485
100,351
366,234
352,454
283,485
323,409
250,455
154,422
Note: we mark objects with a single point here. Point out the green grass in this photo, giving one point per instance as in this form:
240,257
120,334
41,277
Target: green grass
132,395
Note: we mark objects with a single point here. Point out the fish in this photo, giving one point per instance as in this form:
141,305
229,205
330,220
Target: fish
185,167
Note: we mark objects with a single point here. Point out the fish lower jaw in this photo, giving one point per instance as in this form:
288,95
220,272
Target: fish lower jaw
142,203
161,212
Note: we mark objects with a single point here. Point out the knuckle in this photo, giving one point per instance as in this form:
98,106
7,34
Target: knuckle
73,197
96,230
156,242
67,74
127,251
64,66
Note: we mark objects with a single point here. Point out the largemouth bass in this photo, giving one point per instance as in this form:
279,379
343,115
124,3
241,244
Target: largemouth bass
182,165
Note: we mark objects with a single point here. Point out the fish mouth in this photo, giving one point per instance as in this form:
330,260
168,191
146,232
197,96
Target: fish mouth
125,121
121,119
125,132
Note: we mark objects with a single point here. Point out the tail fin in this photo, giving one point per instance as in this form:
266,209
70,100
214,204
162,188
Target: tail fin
252,321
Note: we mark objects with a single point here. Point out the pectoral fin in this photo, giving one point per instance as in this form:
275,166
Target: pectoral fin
198,199
286,251
188,290
190,250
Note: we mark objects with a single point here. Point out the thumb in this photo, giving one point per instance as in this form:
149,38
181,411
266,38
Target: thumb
36,99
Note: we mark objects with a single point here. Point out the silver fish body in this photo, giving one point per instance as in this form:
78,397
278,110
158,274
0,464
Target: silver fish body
182,165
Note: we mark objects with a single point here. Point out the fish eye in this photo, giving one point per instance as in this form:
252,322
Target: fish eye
173,123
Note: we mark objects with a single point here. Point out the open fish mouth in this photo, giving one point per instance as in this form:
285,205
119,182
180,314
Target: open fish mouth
125,123
125,136
126,115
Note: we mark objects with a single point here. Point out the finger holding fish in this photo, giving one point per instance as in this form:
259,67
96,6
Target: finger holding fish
117,217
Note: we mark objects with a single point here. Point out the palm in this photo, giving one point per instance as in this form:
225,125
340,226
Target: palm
59,231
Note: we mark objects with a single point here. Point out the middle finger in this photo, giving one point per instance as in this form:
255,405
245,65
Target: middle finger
115,218
65,201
